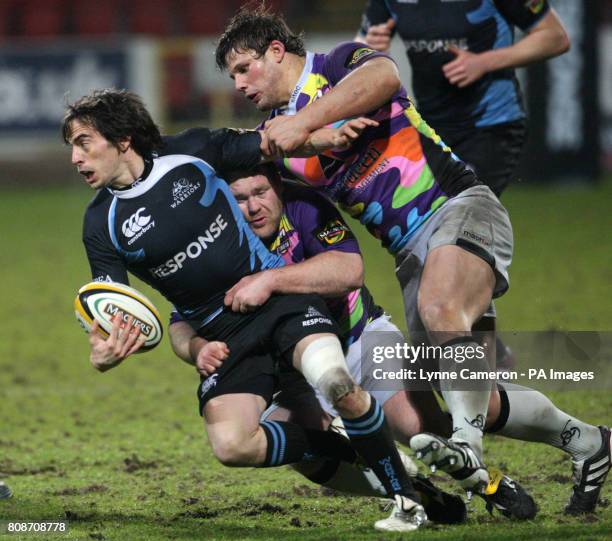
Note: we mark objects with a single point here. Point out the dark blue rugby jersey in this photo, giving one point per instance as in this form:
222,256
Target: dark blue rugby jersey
428,27
178,228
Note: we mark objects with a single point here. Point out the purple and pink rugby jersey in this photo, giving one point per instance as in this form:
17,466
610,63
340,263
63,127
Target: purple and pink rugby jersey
310,225
396,175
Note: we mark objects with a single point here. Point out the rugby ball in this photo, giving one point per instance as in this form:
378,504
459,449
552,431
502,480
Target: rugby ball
102,300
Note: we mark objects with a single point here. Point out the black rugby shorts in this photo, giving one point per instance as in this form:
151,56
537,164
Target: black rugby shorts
259,341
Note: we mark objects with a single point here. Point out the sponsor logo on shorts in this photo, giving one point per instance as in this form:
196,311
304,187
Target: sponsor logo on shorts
333,232
181,190
208,384
476,238
314,317
112,310
137,225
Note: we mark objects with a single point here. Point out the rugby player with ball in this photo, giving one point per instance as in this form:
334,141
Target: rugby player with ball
193,249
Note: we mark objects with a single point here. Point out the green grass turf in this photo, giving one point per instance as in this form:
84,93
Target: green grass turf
123,455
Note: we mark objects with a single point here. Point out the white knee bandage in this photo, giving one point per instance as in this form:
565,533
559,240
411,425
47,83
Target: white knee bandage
324,367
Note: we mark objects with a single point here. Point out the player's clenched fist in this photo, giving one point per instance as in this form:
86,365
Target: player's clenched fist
286,134
210,357
250,292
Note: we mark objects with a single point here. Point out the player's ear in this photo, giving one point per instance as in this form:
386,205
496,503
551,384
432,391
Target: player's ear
277,50
124,144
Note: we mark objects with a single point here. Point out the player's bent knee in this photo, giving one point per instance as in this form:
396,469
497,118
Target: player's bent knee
443,316
336,384
324,367
353,404
234,449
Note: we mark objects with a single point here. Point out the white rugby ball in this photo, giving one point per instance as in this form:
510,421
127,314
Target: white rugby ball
102,300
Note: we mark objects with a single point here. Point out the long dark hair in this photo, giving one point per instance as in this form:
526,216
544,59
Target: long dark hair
116,115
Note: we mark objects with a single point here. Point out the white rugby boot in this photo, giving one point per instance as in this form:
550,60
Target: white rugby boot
406,516
459,460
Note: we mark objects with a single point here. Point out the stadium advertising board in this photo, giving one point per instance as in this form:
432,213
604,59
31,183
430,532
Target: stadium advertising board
563,103
35,82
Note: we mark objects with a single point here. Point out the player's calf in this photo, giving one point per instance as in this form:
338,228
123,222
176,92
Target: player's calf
323,365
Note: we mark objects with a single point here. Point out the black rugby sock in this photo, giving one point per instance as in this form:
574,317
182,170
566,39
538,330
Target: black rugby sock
289,443
371,438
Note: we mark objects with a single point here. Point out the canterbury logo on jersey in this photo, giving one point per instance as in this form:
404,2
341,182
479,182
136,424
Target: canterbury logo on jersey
192,251
434,45
137,225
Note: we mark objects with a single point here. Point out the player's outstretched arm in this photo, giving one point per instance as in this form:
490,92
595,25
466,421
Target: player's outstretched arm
120,344
321,140
546,39
353,96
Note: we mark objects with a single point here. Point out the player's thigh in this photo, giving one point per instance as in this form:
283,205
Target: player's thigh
458,280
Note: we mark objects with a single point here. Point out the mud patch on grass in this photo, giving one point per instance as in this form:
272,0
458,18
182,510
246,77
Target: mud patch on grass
8,469
200,512
73,516
255,509
133,464
73,491
558,478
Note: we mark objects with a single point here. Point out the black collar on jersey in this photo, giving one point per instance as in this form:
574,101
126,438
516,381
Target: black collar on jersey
148,166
